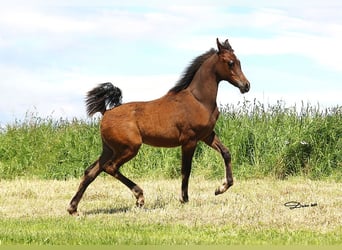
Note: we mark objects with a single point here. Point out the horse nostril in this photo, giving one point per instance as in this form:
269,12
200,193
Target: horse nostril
248,86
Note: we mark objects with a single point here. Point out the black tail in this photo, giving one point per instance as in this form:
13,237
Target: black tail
103,97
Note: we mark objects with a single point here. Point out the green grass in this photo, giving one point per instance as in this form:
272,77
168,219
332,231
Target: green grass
252,212
279,154
109,232
275,141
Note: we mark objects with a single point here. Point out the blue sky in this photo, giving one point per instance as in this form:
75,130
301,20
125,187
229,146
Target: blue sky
53,52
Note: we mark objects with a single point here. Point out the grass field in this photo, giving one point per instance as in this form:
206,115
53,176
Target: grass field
279,154
252,212
273,141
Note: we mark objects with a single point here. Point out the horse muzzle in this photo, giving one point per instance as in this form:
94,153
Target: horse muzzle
245,87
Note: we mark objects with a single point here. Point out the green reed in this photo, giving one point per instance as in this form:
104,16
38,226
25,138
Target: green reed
272,140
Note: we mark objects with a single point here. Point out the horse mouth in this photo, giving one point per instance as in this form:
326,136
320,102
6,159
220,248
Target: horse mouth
245,88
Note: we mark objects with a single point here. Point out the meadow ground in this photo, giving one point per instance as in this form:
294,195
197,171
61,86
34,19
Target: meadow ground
252,212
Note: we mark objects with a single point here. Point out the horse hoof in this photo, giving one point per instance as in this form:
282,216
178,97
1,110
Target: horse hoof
140,202
183,199
221,190
72,211
217,191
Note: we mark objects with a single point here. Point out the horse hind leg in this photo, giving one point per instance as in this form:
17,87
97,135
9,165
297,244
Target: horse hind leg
120,158
136,190
90,175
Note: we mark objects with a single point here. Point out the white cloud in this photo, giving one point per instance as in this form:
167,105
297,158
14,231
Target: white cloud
24,21
323,50
61,93
312,29
314,39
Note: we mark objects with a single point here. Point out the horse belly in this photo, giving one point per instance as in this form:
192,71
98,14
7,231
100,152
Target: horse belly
160,136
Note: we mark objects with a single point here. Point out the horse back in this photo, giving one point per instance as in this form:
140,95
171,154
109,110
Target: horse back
166,122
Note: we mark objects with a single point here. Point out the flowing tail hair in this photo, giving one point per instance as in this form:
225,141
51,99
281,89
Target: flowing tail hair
105,96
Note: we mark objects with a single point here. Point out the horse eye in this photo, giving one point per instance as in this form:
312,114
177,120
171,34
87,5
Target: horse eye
231,63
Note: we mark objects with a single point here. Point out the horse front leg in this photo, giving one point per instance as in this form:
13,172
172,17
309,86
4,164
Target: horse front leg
187,154
214,142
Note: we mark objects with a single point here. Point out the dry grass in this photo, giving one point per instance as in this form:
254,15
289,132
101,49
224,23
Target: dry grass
248,204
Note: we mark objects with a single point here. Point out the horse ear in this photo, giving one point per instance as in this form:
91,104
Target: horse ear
224,46
219,45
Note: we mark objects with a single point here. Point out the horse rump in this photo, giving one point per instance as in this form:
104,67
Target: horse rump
104,97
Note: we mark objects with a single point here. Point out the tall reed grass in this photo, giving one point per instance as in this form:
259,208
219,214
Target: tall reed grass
272,140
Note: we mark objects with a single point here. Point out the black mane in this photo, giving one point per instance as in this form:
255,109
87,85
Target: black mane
191,70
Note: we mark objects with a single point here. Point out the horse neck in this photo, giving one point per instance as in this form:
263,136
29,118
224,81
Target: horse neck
204,85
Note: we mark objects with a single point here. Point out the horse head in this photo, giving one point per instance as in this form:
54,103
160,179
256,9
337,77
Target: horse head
229,67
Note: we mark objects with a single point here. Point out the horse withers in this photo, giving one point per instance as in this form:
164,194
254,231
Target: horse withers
184,116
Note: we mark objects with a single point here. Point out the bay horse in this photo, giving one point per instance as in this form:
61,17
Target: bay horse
184,116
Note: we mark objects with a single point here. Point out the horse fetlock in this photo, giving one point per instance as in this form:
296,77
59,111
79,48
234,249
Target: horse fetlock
230,183
137,191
